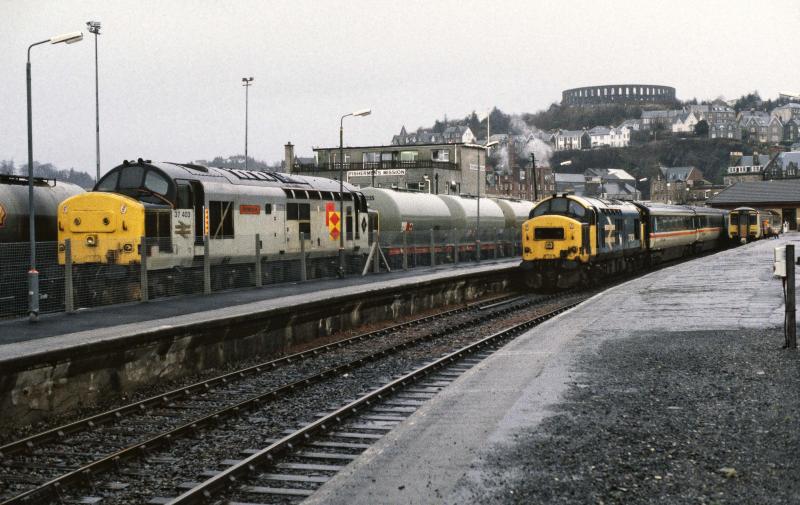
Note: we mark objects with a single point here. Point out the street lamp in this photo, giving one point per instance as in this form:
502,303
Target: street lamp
33,274
246,82
637,181
94,27
488,146
358,113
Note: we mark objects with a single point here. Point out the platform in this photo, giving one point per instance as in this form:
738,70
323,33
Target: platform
664,387
53,331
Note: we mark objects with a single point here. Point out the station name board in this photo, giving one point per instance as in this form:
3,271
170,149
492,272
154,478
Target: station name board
381,172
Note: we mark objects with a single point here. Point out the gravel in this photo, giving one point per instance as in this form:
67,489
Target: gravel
689,417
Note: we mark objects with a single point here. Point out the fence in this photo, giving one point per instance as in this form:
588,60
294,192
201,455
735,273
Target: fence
216,266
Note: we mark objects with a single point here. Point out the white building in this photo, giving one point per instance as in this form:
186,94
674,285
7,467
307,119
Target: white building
684,123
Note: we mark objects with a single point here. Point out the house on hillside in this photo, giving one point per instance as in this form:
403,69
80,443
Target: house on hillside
783,166
608,183
459,135
684,123
791,131
672,185
565,140
421,136
787,112
745,168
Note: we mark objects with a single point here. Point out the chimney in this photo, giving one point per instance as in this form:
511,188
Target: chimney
288,156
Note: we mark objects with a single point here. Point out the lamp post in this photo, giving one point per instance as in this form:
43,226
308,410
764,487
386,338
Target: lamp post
486,148
33,274
246,82
94,27
358,113
533,177
643,179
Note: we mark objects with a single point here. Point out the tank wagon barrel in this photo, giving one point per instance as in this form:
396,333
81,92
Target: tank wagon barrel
14,209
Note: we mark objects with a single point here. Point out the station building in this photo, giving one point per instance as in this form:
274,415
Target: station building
441,168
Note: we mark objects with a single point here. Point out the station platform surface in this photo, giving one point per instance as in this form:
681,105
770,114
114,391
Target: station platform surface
672,386
19,338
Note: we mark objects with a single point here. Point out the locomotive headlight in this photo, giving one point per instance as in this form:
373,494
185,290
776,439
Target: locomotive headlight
91,241
61,247
127,248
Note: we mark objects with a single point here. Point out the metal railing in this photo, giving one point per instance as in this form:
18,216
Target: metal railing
377,165
75,284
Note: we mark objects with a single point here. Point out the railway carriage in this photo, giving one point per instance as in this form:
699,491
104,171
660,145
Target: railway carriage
746,224
675,231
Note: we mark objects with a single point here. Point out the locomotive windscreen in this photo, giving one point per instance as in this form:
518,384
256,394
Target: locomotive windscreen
562,207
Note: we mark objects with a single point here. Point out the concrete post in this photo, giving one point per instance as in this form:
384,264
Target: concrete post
303,268
405,250
143,270
206,266
259,281
433,248
377,257
69,299
791,322
456,240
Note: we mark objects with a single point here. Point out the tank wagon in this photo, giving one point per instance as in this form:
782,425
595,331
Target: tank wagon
397,211
571,240
14,215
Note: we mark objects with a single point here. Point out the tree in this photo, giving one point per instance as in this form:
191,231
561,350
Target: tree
701,128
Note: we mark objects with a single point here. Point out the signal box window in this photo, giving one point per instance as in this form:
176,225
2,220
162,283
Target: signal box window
220,219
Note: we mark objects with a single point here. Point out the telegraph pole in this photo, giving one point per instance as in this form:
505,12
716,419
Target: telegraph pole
533,177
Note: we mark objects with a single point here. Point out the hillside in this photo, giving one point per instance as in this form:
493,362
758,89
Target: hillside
711,156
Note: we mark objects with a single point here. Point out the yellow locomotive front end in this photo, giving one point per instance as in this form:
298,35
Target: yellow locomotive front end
556,241
552,237
103,228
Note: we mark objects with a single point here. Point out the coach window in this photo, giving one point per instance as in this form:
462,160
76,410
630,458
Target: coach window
220,217
267,208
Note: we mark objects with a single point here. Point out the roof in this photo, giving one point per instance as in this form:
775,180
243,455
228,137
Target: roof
785,191
609,173
783,159
569,177
599,130
676,173
747,161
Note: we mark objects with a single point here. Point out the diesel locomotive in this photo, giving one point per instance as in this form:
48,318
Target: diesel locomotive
571,240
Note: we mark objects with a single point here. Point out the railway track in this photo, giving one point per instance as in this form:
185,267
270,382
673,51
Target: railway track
48,465
294,466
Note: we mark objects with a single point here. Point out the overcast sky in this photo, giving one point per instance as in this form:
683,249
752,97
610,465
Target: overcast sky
170,71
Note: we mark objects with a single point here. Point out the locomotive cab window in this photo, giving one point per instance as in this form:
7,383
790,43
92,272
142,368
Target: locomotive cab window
109,182
563,207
